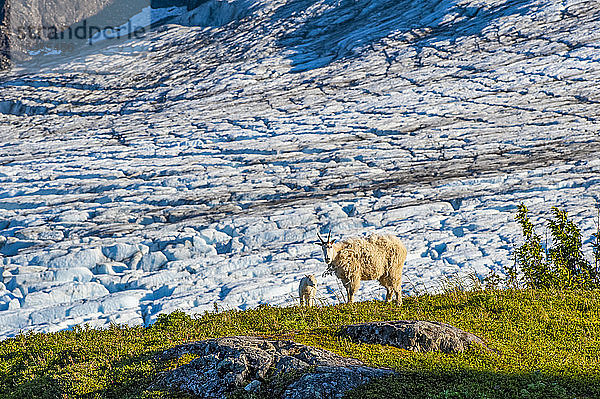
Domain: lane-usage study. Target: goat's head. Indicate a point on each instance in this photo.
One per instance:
(327, 246)
(312, 281)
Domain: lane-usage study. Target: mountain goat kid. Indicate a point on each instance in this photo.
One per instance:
(308, 290)
(378, 257)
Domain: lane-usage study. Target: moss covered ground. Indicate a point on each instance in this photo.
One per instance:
(546, 345)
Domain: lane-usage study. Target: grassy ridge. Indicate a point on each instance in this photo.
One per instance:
(547, 345)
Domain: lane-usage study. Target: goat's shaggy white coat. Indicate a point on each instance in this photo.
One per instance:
(307, 290)
(379, 257)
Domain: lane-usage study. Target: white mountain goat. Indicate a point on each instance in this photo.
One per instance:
(307, 290)
(379, 257)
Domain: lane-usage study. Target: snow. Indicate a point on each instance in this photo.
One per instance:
(195, 165)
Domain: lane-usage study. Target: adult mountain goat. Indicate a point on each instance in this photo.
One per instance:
(378, 257)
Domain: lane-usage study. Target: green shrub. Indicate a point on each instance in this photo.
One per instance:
(175, 320)
(561, 265)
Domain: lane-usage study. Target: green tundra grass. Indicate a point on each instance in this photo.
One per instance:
(546, 344)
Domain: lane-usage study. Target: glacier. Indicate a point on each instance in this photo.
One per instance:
(191, 168)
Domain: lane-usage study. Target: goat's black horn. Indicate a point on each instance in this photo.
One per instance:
(320, 238)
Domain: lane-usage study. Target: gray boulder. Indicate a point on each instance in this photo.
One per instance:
(414, 335)
(331, 382)
(226, 364)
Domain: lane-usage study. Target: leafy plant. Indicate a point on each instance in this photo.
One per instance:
(596, 243)
(562, 265)
(531, 255)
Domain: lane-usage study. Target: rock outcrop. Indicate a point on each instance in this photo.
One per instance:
(25, 24)
(27, 27)
(225, 364)
(414, 335)
(4, 42)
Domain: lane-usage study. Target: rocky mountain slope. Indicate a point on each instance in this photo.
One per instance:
(193, 166)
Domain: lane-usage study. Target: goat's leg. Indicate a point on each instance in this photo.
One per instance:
(352, 288)
(398, 292)
(389, 294)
